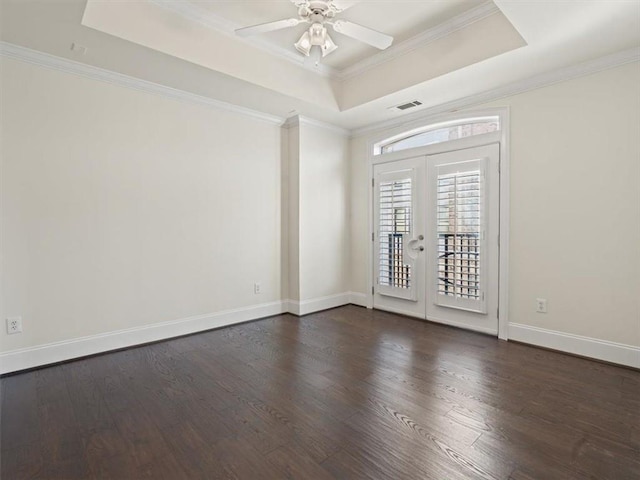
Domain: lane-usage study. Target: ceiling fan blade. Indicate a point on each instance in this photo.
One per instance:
(364, 34)
(339, 4)
(342, 5)
(267, 27)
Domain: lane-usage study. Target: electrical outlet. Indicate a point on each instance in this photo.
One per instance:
(14, 325)
(541, 305)
(257, 288)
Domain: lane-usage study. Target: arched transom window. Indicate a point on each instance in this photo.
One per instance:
(437, 133)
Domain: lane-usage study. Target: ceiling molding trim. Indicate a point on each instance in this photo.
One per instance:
(298, 120)
(539, 81)
(442, 30)
(61, 64)
(221, 25)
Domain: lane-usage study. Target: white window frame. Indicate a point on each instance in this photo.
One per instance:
(501, 137)
(466, 120)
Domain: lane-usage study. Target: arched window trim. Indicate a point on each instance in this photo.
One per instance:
(396, 132)
(469, 118)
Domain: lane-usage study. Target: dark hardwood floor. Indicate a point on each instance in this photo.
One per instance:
(345, 394)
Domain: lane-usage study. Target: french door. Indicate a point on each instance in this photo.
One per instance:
(436, 224)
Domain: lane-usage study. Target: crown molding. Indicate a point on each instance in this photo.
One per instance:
(539, 81)
(192, 11)
(442, 30)
(298, 120)
(61, 64)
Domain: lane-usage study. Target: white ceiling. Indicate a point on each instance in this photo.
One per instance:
(557, 35)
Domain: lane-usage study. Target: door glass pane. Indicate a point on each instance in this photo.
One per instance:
(459, 234)
(441, 133)
(394, 224)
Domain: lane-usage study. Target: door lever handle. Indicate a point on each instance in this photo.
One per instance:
(420, 248)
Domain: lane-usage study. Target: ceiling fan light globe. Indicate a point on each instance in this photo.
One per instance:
(328, 46)
(304, 44)
(317, 34)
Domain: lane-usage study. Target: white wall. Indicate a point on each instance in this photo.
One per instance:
(293, 211)
(318, 220)
(323, 212)
(359, 213)
(575, 206)
(123, 209)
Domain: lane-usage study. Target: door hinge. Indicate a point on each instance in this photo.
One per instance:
(498, 312)
(372, 290)
(373, 182)
(498, 239)
(373, 236)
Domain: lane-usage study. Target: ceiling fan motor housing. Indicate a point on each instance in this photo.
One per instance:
(317, 11)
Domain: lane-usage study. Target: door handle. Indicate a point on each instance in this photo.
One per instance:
(412, 246)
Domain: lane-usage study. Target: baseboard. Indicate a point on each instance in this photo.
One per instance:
(313, 305)
(31, 357)
(359, 299)
(619, 353)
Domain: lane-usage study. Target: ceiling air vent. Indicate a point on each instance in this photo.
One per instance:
(406, 106)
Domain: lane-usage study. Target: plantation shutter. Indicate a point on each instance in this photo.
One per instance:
(461, 225)
(395, 211)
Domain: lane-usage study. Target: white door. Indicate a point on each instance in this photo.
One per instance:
(398, 258)
(436, 247)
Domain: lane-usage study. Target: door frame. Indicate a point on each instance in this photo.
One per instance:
(502, 138)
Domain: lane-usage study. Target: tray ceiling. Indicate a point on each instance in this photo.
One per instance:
(191, 32)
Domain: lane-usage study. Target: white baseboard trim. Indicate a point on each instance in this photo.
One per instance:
(313, 305)
(31, 357)
(359, 299)
(619, 353)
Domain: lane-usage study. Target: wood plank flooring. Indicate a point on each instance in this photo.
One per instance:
(348, 393)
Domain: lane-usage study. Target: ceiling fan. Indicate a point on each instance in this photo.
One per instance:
(320, 13)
